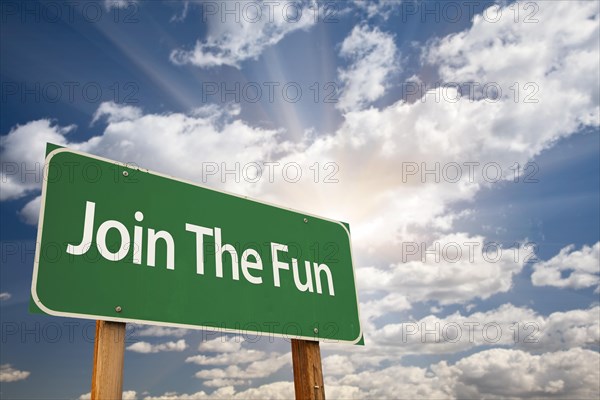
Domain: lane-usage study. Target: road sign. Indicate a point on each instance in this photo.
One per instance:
(124, 244)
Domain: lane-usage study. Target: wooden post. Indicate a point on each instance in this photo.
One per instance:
(308, 373)
(109, 349)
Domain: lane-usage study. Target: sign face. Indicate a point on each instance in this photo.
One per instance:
(125, 244)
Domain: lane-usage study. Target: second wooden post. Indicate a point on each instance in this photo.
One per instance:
(308, 372)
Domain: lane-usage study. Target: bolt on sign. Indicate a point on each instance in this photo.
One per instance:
(126, 244)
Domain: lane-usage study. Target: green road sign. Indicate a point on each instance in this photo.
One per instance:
(125, 244)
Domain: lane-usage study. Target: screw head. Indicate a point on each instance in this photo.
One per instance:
(118, 309)
(305, 220)
(316, 330)
(125, 173)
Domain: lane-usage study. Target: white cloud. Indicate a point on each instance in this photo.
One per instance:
(9, 374)
(582, 265)
(241, 356)
(145, 347)
(454, 269)
(373, 309)
(31, 212)
(22, 154)
(435, 310)
(257, 369)
(563, 330)
(507, 325)
(4, 296)
(175, 147)
(506, 52)
(222, 344)
(260, 25)
(374, 8)
(492, 374)
(387, 383)
(116, 113)
(336, 365)
(225, 392)
(224, 382)
(181, 16)
(270, 391)
(231, 354)
(499, 373)
(158, 331)
(127, 395)
(110, 4)
(373, 59)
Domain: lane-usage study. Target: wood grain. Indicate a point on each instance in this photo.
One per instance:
(109, 350)
(308, 372)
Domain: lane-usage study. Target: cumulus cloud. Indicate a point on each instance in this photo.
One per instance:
(270, 391)
(116, 113)
(31, 212)
(259, 25)
(24, 146)
(256, 369)
(391, 302)
(412, 382)
(336, 365)
(506, 52)
(223, 344)
(373, 59)
(224, 382)
(127, 395)
(398, 334)
(9, 374)
(259, 365)
(377, 8)
(110, 4)
(505, 326)
(494, 374)
(582, 266)
(22, 154)
(158, 331)
(562, 330)
(242, 356)
(145, 347)
(500, 373)
(454, 269)
(491, 374)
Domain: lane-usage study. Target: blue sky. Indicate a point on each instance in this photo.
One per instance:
(173, 86)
